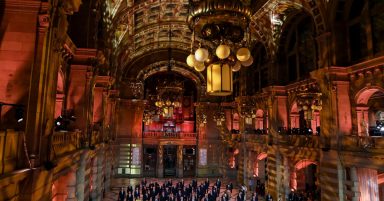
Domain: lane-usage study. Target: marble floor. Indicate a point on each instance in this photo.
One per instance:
(124, 182)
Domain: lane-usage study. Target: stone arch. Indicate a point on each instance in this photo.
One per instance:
(362, 97)
(299, 174)
(368, 116)
(294, 116)
(259, 166)
(261, 120)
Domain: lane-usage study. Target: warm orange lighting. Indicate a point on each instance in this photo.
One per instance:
(219, 79)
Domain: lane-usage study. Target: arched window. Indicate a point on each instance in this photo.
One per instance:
(297, 53)
(257, 74)
(359, 26)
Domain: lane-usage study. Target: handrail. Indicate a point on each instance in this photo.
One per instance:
(10, 150)
(65, 142)
(162, 134)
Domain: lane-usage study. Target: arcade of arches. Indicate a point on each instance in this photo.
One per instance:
(98, 91)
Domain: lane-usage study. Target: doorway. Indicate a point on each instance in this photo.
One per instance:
(150, 161)
(189, 161)
(170, 160)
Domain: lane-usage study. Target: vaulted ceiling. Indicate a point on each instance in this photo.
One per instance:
(140, 31)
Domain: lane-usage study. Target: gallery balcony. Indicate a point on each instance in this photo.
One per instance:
(65, 142)
(258, 137)
(169, 135)
(11, 151)
(370, 144)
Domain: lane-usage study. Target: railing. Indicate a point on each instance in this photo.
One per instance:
(65, 142)
(312, 141)
(367, 143)
(177, 135)
(262, 139)
(11, 150)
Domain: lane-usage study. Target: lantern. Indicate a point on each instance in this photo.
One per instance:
(219, 79)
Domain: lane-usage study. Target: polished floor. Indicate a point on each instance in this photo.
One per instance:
(124, 182)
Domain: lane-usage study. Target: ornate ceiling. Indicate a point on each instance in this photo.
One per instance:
(140, 30)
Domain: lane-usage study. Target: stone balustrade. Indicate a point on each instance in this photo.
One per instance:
(11, 150)
(312, 141)
(261, 139)
(65, 142)
(165, 135)
(363, 143)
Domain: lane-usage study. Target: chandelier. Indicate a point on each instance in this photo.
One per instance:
(219, 117)
(223, 23)
(248, 116)
(169, 96)
(147, 119)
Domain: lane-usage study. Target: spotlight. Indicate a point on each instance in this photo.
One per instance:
(19, 114)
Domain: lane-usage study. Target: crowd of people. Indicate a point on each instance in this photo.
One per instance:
(310, 195)
(179, 191)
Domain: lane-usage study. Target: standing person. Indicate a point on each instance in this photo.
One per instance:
(239, 196)
(121, 194)
(218, 183)
(268, 197)
(251, 184)
(254, 197)
(137, 194)
(129, 196)
(230, 187)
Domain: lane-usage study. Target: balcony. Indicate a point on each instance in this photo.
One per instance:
(311, 141)
(65, 142)
(370, 144)
(168, 135)
(257, 138)
(11, 151)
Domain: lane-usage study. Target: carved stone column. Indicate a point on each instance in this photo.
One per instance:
(180, 161)
(160, 164)
(286, 176)
(80, 178)
(71, 186)
(355, 184)
(94, 194)
(100, 174)
(108, 171)
(323, 42)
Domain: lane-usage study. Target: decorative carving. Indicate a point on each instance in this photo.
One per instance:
(44, 20)
(137, 89)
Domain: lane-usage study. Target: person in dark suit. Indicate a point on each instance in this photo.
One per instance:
(136, 194)
(206, 198)
(121, 194)
(146, 196)
(239, 197)
(254, 197)
(268, 197)
(129, 196)
(218, 185)
(230, 187)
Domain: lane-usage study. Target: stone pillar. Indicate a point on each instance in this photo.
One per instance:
(80, 178)
(368, 184)
(108, 172)
(95, 194)
(279, 177)
(287, 188)
(323, 41)
(354, 184)
(100, 175)
(71, 186)
(180, 161)
(362, 121)
(160, 165)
